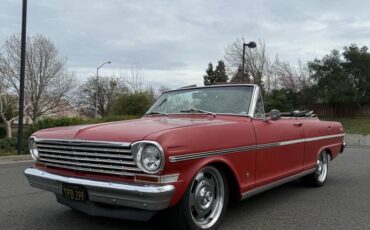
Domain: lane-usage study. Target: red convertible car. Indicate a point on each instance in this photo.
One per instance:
(190, 153)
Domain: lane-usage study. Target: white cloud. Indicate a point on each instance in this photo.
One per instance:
(174, 40)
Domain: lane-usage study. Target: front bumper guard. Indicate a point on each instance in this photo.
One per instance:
(342, 147)
(145, 197)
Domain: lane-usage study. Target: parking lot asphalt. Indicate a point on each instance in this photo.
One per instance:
(343, 203)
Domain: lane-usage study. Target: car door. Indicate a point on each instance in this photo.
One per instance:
(280, 146)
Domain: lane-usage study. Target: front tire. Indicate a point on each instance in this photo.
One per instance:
(318, 178)
(204, 203)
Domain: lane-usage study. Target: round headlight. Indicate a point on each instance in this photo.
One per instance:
(33, 149)
(149, 157)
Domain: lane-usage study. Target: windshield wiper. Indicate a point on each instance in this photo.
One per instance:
(164, 101)
(155, 113)
(198, 111)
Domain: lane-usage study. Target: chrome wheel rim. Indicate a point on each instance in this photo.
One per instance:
(207, 197)
(322, 167)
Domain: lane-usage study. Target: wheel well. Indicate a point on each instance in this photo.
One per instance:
(234, 191)
(328, 151)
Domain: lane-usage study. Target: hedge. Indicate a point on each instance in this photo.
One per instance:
(9, 144)
(2, 132)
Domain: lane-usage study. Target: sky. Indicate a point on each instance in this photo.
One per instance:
(174, 40)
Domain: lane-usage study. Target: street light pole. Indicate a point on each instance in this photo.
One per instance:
(97, 87)
(250, 45)
(21, 77)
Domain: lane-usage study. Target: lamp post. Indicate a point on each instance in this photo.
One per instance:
(21, 77)
(97, 86)
(250, 45)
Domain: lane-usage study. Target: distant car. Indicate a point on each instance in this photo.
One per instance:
(193, 150)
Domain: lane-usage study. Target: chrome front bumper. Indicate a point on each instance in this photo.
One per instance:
(144, 197)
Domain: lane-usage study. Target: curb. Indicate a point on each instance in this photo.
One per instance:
(358, 140)
(358, 146)
(17, 158)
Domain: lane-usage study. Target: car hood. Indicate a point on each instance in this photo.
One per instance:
(123, 131)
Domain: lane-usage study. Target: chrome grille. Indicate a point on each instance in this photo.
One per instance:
(99, 157)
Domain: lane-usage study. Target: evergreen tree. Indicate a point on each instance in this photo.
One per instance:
(238, 77)
(216, 75)
(209, 76)
(220, 72)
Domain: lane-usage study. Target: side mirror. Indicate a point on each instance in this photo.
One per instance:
(274, 114)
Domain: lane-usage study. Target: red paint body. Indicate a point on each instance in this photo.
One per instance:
(191, 133)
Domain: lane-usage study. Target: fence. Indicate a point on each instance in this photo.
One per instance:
(327, 110)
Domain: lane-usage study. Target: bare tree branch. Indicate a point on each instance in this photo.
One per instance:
(256, 61)
(104, 91)
(47, 79)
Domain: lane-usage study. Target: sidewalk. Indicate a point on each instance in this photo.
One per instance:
(358, 140)
(16, 158)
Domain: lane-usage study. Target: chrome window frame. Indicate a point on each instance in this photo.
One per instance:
(256, 95)
(252, 103)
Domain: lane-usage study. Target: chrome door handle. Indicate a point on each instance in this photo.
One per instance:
(299, 124)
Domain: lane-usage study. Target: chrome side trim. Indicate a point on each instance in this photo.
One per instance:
(258, 190)
(148, 197)
(248, 148)
(268, 145)
(211, 153)
(324, 137)
(293, 142)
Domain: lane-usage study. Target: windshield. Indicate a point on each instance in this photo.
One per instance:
(226, 100)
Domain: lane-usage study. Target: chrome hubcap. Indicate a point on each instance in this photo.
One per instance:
(204, 195)
(322, 167)
(207, 197)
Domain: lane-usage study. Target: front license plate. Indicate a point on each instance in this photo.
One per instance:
(74, 192)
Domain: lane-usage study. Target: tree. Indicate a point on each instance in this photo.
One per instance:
(100, 93)
(286, 75)
(7, 113)
(133, 104)
(237, 76)
(215, 76)
(357, 66)
(6, 109)
(47, 81)
(334, 84)
(163, 89)
(209, 77)
(220, 72)
(256, 64)
(279, 99)
(134, 78)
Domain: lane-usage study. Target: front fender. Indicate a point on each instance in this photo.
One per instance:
(189, 169)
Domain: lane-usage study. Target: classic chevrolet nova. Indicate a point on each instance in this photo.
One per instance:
(190, 153)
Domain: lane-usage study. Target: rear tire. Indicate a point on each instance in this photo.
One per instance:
(318, 178)
(204, 203)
